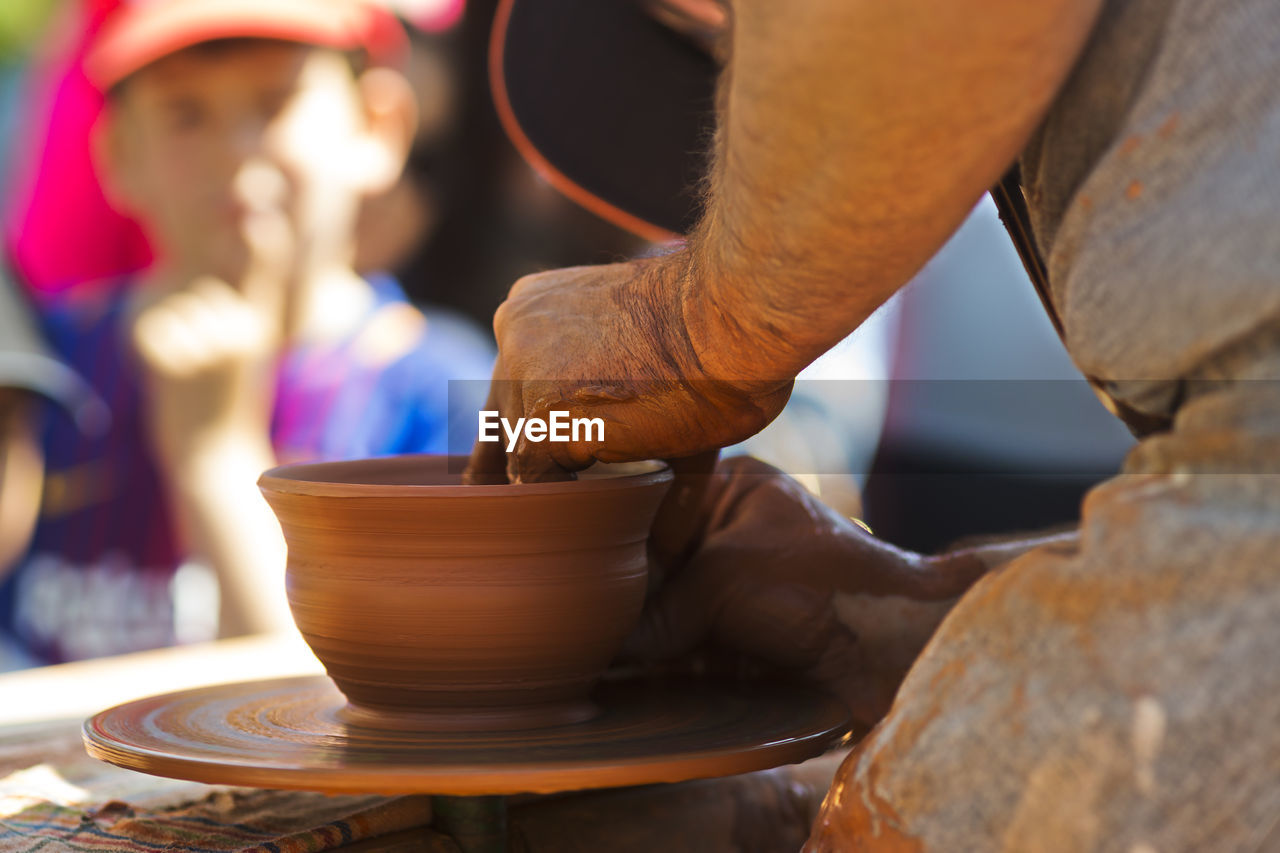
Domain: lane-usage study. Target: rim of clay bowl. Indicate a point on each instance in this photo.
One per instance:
(318, 479)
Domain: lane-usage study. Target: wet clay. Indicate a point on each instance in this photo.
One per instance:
(288, 733)
(436, 606)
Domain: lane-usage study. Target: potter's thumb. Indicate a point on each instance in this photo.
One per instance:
(531, 463)
(682, 514)
(673, 624)
(487, 465)
(488, 462)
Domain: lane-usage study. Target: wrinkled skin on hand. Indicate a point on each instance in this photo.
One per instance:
(769, 566)
(608, 342)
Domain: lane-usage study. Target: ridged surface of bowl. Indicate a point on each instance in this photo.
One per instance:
(435, 605)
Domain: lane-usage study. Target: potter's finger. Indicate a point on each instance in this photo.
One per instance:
(488, 463)
(531, 463)
(487, 466)
(543, 459)
(677, 527)
(908, 575)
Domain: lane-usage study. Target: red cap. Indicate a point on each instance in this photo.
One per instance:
(143, 31)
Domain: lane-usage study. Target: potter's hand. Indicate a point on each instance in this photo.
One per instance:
(609, 342)
(780, 579)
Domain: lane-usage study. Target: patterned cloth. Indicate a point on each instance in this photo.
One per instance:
(70, 802)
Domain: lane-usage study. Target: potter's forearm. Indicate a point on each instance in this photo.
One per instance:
(854, 138)
(229, 526)
(893, 631)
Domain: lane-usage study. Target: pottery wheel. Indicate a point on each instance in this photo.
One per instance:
(287, 733)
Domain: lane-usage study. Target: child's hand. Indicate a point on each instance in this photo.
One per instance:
(207, 355)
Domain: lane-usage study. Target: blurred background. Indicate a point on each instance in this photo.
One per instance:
(22, 24)
(954, 412)
(467, 220)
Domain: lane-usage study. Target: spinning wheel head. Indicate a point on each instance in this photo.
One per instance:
(289, 733)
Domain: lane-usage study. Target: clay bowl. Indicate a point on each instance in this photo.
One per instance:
(439, 606)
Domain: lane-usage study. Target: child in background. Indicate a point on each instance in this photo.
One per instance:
(243, 135)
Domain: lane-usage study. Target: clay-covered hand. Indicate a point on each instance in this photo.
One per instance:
(610, 342)
(779, 581)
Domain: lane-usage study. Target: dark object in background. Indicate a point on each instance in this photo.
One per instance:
(495, 219)
(927, 501)
(616, 109)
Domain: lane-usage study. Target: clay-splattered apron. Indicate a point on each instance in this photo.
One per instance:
(1123, 693)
